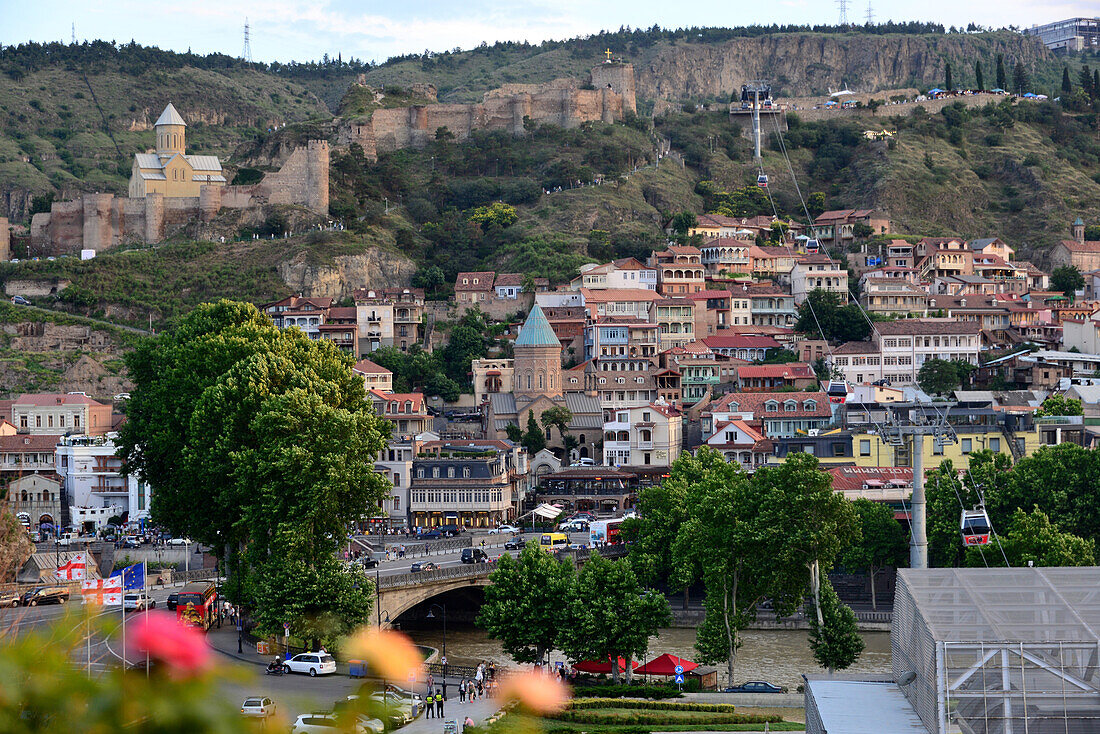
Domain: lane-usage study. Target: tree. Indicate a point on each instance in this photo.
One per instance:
(1067, 279)
(1060, 480)
(525, 603)
(534, 440)
(610, 615)
(979, 81)
(498, 213)
(835, 640)
(514, 433)
(431, 279)
(684, 222)
(1019, 78)
(883, 545)
(1067, 85)
(816, 204)
(1059, 405)
(1001, 79)
(862, 231)
(557, 417)
(943, 491)
(1085, 80)
(269, 459)
(15, 545)
(1033, 538)
(938, 377)
(949, 83)
(822, 313)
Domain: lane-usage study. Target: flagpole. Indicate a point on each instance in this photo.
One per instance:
(145, 595)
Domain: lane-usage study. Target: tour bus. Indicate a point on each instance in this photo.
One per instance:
(605, 532)
(551, 542)
(197, 605)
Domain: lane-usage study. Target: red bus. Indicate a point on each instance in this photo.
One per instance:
(197, 605)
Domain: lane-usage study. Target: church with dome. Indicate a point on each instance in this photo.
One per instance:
(537, 385)
(168, 170)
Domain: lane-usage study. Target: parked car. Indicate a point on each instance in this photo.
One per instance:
(178, 541)
(45, 595)
(756, 686)
(173, 601)
(9, 598)
(130, 542)
(20, 301)
(314, 663)
(122, 396)
(584, 462)
(449, 531)
(574, 526)
(398, 706)
(348, 707)
(259, 707)
(322, 723)
(514, 544)
(504, 529)
(474, 555)
(423, 566)
(431, 534)
(137, 601)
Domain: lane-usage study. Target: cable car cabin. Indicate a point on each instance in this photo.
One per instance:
(812, 247)
(837, 392)
(975, 528)
(762, 181)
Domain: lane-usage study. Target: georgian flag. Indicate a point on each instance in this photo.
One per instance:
(73, 569)
(107, 592)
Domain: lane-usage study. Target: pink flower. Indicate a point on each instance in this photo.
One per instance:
(183, 650)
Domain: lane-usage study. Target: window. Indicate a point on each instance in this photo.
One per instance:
(865, 447)
(967, 445)
(790, 406)
(419, 473)
(995, 445)
(435, 472)
(809, 405)
(450, 472)
(838, 449)
(771, 406)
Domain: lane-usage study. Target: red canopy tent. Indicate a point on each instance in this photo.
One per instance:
(665, 665)
(591, 666)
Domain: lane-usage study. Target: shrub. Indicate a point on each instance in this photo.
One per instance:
(619, 703)
(609, 690)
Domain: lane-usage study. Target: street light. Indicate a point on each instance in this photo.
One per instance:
(442, 608)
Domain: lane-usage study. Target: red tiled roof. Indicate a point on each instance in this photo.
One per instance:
(342, 312)
(630, 263)
(852, 478)
(740, 341)
(856, 348)
(607, 295)
(841, 214)
(42, 400)
(366, 367)
(704, 295)
(792, 370)
(930, 327)
(21, 443)
(484, 281)
(683, 250)
(512, 279)
(400, 397)
(1092, 246)
(754, 402)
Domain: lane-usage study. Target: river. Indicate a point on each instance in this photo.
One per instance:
(777, 656)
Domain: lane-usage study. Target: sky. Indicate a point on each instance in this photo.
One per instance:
(302, 30)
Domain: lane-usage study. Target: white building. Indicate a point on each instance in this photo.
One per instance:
(91, 475)
(898, 349)
(813, 272)
(625, 273)
(649, 435)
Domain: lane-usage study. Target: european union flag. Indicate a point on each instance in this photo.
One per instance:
(133, 577)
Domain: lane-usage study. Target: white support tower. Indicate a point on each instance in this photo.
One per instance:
(842, 5)
(756, 88)
(246, 52)
(907, 431)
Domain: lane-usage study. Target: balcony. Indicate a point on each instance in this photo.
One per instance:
(644, 445)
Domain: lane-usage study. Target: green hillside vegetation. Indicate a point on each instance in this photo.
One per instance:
(360, 100)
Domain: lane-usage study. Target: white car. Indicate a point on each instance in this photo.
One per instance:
(314, 663)
(178, 541)
(137, 601)
(259, 707)
(503, 529)
(408, 708)
(323, 723)
(584, 462)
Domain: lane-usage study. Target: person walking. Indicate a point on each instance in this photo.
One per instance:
(462, 691)
(471, 691)
(429, 705)
(438, 703)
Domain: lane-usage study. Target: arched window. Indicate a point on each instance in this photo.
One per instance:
(450, 472)
(24, 495)
(582, 438)
(419, 473)
(435, 472)
(466, 472)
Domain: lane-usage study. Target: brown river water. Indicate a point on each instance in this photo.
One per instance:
(777, 656)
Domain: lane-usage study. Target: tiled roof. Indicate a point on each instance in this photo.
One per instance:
(856, 348)
(484, 281)
(536, 331)
(21, 443)
(852, 478)
(931, 327)
(717, 220)
(630, 263)
(607, 295)
(508, 279)
(704, 295)
(837, 215)
(42, 400)
(741, 425)
(342, 312)
(683, 250)
(754, 402)
(366, 367)
(740, 341)
(1092, 246)
(416, 398)
(791, 370)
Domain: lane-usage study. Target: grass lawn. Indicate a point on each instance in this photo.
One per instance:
(518, 723)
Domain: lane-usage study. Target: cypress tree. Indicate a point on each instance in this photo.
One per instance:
(1067, 86)
(947, 77)
(1085, 78)
(1019, 78)
(1001, 81)
(979, 82)
(1096, 83)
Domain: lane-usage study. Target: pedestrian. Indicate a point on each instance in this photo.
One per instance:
(471, 692)
(467, 722)
(462, 691)
(429, 705)
(439, 703)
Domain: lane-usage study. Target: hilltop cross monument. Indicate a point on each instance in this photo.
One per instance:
(608, 52)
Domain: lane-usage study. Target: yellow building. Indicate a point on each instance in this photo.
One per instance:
(868, 449)
(169, 170)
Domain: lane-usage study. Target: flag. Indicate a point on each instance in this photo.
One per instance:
(133, 577)
(107, 592)
(73, 569)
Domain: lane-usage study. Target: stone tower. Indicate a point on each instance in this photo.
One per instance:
(317, 162)
(1079, 230)
(5, 240)
(537, 358)
(171, 133)
(620, 78)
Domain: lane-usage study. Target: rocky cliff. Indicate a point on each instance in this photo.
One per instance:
(375, 268)
(810, 64)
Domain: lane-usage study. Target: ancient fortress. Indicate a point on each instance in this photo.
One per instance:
(163, 198)
(561, 102)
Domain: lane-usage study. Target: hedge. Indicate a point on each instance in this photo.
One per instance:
(623, 691)
(619, 703)
(656, 718)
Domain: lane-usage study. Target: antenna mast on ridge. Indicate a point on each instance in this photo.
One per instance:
(870, 14)
(74, 34)
(843, 6)
(246, 53)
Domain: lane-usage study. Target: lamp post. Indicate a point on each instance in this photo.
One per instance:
(442, 608)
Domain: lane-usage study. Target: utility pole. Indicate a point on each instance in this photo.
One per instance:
(246, 52)
(757, 88)
(909, 433)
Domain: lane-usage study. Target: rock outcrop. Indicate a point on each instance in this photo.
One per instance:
(376, 268)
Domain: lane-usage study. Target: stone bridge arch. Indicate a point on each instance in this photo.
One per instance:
(396, 599)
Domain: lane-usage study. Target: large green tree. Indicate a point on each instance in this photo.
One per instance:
(1033, 538)
(610, 614)
(1059, 405)
(823, 314)
(270, 461)
(835, 640)
(939, 376)
(1061, 481)
(557, 417)
(883, 542)
(1067, 279)
(526, 603)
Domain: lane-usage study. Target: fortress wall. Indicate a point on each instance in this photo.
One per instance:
(210, 201)
(5, 240)
(154, 217)
(97, 221)
(236, 197)
(303, 179)
(620, 78)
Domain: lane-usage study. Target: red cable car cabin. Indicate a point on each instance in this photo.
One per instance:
(975, 528)
(197, 605)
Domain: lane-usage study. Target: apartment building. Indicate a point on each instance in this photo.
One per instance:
(625, 273)
(818, 272)
(675, 318)
(406, 411)
(389, 317)
(620, 337)
(726, 256)
(780, 414)
(898, 349)
(679, 270)
(633, 302)
(893, 297)
(375, 376)
(772, 306)
(93, 483)
(646, 436)
(475, 484)
(306, 314)
(58, 413)
(839, 225)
